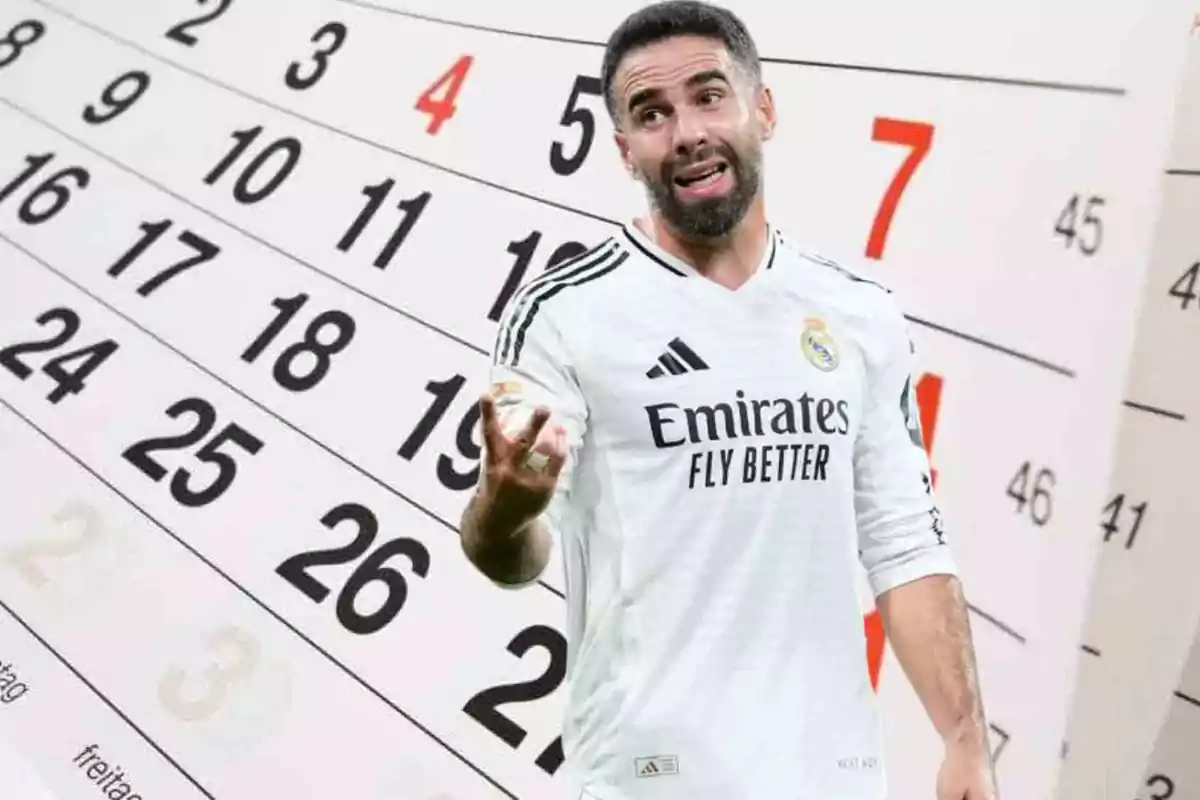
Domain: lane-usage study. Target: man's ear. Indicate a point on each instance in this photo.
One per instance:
(766, 112)
(622, 143)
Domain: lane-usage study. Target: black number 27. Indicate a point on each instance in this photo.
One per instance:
(483, 707)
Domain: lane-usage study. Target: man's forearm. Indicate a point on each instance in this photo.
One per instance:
(926, 622)
(506, 551)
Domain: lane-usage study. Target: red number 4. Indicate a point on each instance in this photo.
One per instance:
(440, 110)
(918, 136)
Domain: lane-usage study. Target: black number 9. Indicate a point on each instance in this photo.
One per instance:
(118, 98)
(320, 57)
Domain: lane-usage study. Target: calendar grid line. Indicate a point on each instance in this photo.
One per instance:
(996, 622)
(994, 346)
(1162, 412)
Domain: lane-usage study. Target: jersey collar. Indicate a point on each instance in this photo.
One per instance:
(677, 266)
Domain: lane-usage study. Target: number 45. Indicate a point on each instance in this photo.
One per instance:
(1086, 231)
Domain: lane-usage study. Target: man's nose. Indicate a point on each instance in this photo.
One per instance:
(690, 131)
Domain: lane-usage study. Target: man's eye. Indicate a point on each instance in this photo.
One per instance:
(710, 96)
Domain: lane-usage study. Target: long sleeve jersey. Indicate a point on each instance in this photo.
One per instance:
(737, 456)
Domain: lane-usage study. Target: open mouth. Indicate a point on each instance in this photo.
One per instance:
(701, 176)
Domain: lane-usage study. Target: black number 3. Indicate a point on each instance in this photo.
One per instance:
(320, 57)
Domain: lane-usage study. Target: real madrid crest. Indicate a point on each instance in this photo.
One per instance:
(818, 345)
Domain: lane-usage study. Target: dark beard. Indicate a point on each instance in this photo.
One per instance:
(712, 217)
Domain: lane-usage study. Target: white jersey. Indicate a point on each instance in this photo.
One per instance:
(735, 455)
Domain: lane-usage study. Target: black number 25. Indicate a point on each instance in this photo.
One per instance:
(210, 453)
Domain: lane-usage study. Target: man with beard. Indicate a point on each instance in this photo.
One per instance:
(716, 428)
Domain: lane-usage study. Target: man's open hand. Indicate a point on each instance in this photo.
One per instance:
(520, 470)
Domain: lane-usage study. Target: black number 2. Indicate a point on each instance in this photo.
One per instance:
(483, 706)
(180, 32)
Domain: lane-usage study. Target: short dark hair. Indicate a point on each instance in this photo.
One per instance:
(677, 18)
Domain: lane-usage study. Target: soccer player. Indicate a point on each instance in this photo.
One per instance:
(715, 427)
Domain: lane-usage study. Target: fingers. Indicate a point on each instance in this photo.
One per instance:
(492, 436)
(559, 458)
(529, 434)
(499, 446)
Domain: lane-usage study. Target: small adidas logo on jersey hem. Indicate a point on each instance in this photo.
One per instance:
(655, 766)
(678, 359)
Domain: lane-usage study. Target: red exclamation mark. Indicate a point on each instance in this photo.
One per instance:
(875, 642)
(929, 399)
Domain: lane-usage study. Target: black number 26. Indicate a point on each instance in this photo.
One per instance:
(372, 569)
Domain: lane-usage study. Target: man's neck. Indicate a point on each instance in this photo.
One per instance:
(728, 261)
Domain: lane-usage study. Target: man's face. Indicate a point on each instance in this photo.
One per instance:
(691, 128)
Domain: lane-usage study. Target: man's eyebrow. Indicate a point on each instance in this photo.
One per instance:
(642, 96)
(704, 76)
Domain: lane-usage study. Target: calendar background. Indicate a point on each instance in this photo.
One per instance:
(261, 234)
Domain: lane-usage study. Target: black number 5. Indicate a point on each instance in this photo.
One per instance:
(572, 114)
(320, 57)
(138, 454)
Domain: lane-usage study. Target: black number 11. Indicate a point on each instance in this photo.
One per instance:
(376, 194)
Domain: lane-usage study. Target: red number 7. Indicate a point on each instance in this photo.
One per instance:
(918, 136)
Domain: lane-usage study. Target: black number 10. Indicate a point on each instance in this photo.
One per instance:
(288, 145)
